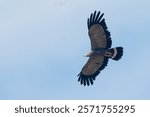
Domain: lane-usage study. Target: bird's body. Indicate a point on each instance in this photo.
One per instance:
(101, 50)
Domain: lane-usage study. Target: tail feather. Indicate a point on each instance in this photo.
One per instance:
(116, 53)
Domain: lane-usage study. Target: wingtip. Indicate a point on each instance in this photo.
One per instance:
(95, 17)
(85, 80)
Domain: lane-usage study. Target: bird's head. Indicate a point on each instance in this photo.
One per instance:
(88, 54)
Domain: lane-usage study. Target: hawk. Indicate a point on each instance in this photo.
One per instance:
(101, 50)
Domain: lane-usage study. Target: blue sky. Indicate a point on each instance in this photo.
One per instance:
(42, 44)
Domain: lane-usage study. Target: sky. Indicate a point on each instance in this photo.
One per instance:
(42, 43)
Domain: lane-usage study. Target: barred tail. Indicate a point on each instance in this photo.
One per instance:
(115, 53)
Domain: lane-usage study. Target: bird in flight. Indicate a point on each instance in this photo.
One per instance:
(101, 50)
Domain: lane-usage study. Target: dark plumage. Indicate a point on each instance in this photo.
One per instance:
(101, 49)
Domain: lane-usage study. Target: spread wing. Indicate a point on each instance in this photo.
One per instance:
(100, 39)
(98, 33)
(91, 69)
